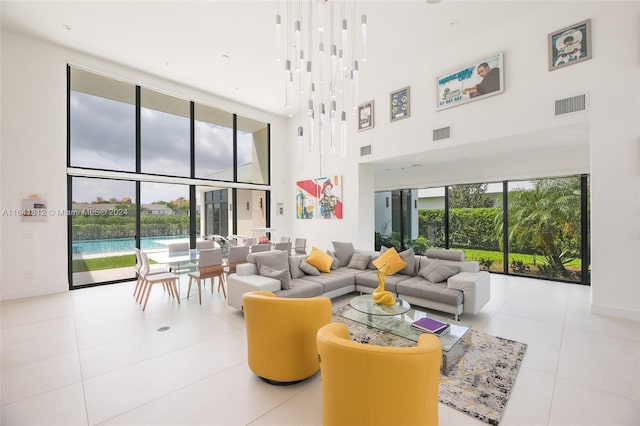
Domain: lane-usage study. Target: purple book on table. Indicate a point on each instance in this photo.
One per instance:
(430, 325)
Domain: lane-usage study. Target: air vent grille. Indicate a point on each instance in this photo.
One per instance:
(443, 133)
(365, 150)
(569, 105)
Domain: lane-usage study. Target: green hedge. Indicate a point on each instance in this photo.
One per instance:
(108, 227)
(469, 228)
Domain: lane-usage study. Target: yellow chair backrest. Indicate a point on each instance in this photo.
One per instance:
(281, 334)
(378, 385)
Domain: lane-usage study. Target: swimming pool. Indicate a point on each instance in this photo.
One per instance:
(119, 244)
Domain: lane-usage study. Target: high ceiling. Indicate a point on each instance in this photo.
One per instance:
(187, 41)
(228, 48)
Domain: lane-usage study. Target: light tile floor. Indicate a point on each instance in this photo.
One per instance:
(92, 357)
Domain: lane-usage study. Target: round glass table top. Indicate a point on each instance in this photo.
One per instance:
(365, 304)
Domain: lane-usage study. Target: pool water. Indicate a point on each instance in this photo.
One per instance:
(119, 244)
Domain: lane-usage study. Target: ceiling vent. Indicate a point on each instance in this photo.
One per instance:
(443, 133)
(569, 105)
(365, 150)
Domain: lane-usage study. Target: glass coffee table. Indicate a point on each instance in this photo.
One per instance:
(397, 319)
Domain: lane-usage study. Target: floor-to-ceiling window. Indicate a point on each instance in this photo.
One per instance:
(545, 228)
(473, 210)
(535, 228)
(137, 160)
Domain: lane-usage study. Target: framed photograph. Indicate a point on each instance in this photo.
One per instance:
(365, 116)
(400, 106)
(570, 45)
(470, 82)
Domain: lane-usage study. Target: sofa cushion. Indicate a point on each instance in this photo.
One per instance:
(301, 288)
(359, 261)
(308, 268)
(294, 266)
(408, 256)
(320, 259)
(418, 287)
(456, 255)
(334, 280)
(277, 260)
(280, 275)
(336, 262)
(343, 251)
(437, 271)
(370, 279)
(391, 258)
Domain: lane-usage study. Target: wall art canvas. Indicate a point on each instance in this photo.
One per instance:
(34, 208)
(400, 104)
(476, 80)
(329, 197)
(570, 45)
(306, 203)
(365, 116)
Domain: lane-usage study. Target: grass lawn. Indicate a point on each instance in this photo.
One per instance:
(527, 259)
(84, 265)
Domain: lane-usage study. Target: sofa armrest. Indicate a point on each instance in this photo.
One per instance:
(475, 287)
(237, 285)
(245, 269)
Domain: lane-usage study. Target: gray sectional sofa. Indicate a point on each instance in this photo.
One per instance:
(441, 279)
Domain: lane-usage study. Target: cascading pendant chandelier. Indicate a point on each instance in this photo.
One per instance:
(321, 44)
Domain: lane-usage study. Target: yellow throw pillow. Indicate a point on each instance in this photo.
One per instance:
(393, 259)
(321, 260)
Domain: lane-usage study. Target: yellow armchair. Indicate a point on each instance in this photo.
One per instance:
(281, 335)
(378, 385)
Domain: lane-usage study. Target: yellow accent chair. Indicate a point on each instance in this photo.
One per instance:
(281, 335)
(378, 385)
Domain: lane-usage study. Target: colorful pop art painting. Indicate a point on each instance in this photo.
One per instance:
(306, 192)
(319, 198)
(329, 197)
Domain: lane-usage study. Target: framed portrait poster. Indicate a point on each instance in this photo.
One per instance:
(400, 106)
(570, 45)
(365, 116)
(470, 82)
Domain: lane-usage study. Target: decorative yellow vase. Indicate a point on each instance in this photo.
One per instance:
(380, 295)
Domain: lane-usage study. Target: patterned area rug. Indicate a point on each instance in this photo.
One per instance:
(479, 384)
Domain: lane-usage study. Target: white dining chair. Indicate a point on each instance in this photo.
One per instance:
(300, 246)
(237, 256)
(286, 246)
(209, 266)
(257, 248)
(167, 279)
(156, 268)
(204, 244)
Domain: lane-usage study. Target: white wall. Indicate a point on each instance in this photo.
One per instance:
(33, 155)
(523, 116)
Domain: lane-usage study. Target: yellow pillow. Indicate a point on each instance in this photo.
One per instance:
(321, 260)
(393, 259)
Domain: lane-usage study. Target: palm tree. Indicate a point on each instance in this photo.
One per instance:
(545, 220)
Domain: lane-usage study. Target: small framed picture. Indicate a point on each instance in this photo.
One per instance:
(365, 116)
(400, 104)
(570, 45)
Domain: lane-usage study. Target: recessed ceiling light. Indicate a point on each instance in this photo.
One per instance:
(416, 165)
(66, 27)
(224, 56)
(167, 63)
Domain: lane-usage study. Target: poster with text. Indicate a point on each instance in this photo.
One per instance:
(471, 82)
